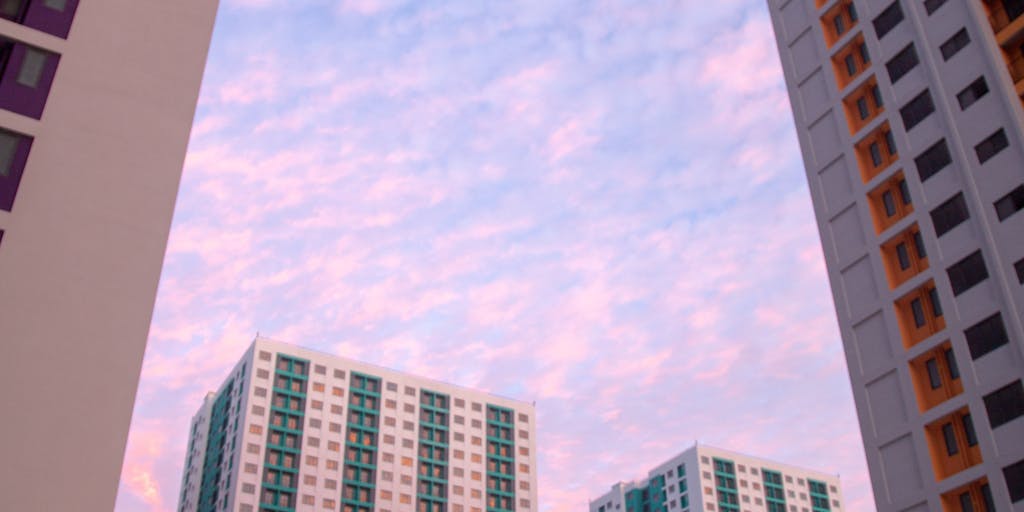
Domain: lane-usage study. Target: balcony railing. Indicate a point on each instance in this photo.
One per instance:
(1003, 12)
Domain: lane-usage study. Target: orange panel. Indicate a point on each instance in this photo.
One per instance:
(904, 256)
(838, 21)
(974, 492)
(949, 444)
(876, 152)
(863, 105)
(919, 315)
(936, 378)
(890, 202)
(850, 61)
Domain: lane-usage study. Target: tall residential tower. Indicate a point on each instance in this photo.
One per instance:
(909, 118)
(705, 478)
(296, 430)
(96, 104)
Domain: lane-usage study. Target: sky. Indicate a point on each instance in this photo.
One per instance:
(596, 205)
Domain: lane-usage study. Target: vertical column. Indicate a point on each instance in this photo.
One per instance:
(432, 482)
(284, 435)
(358, 482)
(501, 494)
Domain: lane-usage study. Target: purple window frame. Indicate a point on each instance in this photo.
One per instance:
(37, 15)
(9, 184)
(20, 98)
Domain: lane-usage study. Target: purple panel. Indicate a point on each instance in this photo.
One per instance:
(9, 184)
(49, 20)
(22, 99)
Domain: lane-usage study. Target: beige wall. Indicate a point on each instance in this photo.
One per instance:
(83, 247)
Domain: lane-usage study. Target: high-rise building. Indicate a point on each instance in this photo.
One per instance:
(705, 478)
(96, 104)
(909, 118)
(292, 430)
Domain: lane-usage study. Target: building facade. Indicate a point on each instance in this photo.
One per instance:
(909, 119)
(96, 104)
(705, 478)
(296, 430)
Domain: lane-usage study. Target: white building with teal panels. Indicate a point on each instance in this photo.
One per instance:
(296, 430)
(705, 478)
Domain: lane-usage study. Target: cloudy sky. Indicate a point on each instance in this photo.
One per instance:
(598, 205)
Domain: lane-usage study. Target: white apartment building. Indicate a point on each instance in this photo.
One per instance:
(910, 122)
(705, 478)
(97, 99)
(293, 429)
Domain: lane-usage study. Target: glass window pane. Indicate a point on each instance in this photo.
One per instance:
(31, 68)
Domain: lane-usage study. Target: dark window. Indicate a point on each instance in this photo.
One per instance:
(904, 192)
(876, 154)
(917, 109)
(852, 12)
(933, 297)
(972, 93)
(918, 311)
(864, 55)
(966, 273)
(954, 44)
(991, 146)
(1010, 203)
(890, 143)
(969, 433)
(1019, 267)
(933, 373)
(954, 370)
(919, 246)
(986, 494)
(966, 505)
(29, 72)
(931, 5)
(50, 16)
(851, 65)
(1014, 476)
(902, 63)
(888, 20)
(986, 336)
(862, 108)
(14, 148)
(890, 205)
(950, 437)
(1005, 404)
(876, 94)
(950, 214)
(933, 160)
(903, 256)
(839, 24)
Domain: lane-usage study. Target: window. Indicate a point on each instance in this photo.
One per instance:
(954, 370)
(949, 214)
(888, 20)
(888, 203)
(1005, 404)
(986, 336)
(902, 63)
(862, 108)
(1014, 476)
(14, 149)
(933, 160)
(972, 93)
(919, 245)
(1019, 267)
(839, 24)
(991, 146)
(917, 109)
(931, 6)
(851, 65)
(934, 379)
(876, 154)
(902, 256)
(954, 44)
(933, 297)
(1010, 204)
(969, 433)
(966, 273)
(949, 436)
(918, 311)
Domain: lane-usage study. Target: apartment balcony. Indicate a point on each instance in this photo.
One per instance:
(1005, 17)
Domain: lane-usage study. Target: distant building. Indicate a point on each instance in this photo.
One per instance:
(705, 478)
(96, 104)
(294, 429)
(910, 120)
